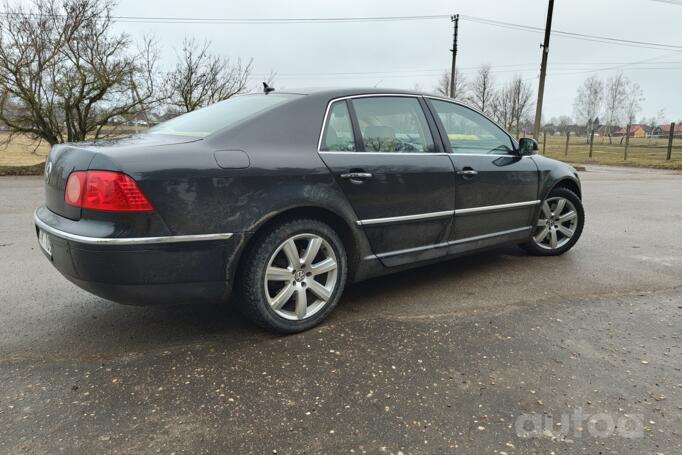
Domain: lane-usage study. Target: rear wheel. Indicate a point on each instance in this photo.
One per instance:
(559, 224)
(293, 276)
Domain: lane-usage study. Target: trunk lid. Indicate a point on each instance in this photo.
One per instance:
(67, 158)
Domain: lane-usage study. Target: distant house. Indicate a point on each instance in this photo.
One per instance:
(635, 131)
(605, 130)
(664, 130)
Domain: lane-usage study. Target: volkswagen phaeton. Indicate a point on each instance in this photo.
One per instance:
(276, 201)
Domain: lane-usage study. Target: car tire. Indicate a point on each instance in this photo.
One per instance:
(551, 228)
(277, 278)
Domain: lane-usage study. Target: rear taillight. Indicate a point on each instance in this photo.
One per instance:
(105, 190)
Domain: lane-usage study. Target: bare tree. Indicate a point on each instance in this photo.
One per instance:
(614, 101)
(503, 106)
(483, 89)
(588, 102)
(512, 104)
(201, 78)
(443, 87)
(523, 101)
(564, 123)
(64, 73)
(633, 101)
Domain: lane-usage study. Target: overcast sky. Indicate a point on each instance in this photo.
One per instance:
(404, 53)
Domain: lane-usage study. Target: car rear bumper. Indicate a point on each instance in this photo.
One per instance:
(141, 270)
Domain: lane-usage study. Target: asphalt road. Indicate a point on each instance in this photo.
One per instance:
(492, 354)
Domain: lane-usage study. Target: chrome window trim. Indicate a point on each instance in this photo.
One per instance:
(127, 240)
(397, 219)
(330, 152)
(489, 155)
(365, 95)
(492, 208)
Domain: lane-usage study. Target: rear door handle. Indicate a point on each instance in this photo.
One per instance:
(357, 175)
(468, 172)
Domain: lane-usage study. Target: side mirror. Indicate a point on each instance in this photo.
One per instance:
(528, 146)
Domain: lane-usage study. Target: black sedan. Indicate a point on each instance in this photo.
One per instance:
(287, 197)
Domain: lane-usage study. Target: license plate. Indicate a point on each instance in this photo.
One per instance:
(44, 242)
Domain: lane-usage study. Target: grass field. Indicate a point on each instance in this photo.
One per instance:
(647, 152)
(19, 152)
(642, 152)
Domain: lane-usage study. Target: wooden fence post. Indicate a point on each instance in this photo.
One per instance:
(544, 142)
(670, 140)
(568, 137)
(627, 142)
(591, 141)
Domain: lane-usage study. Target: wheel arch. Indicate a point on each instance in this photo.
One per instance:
(343, 227)
(568, 183)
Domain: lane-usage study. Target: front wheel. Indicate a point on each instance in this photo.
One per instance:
(559, 224)
(293, 276)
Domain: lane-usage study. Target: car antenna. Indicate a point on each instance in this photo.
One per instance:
(267, 89)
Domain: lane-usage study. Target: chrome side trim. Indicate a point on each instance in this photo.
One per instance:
(492, 208)
(397, 219)
(487, 236)
(454, 242)
(127, 240)
(412, 250)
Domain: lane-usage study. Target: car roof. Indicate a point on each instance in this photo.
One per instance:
(338, 92)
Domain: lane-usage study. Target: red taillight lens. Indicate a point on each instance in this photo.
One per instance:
(105, 190)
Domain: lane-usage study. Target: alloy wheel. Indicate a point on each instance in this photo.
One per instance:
(557, 223)
(301, 276)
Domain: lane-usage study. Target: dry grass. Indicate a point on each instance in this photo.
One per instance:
(20, 151)
(642, 152)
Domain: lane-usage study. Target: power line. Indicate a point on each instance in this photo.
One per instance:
(573, 35)
(672, 2)
(321, 20)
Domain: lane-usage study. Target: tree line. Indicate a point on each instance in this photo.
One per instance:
(608, 104)
(65, 74)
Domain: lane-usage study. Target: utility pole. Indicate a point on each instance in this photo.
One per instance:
(543, 71)
(455, 19)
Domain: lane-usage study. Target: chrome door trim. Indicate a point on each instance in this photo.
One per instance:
(398, 219)
(127, 240)
(494, 208)
(424, 216)
(455, 242)
(487, 236)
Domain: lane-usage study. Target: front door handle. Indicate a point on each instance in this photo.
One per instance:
(468, 172)
(357, 177)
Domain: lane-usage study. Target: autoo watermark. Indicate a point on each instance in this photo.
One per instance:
(576, 424)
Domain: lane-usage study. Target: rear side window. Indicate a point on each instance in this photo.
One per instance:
(470, 132)
(202, 122)
(338, 133)
(393, 124)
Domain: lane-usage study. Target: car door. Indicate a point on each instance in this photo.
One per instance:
(496, 190)
(382, 152)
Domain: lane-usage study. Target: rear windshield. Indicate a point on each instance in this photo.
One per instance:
(202, 122)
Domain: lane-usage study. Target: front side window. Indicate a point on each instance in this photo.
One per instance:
(338, 133)
(393, 124)
(470, 132)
